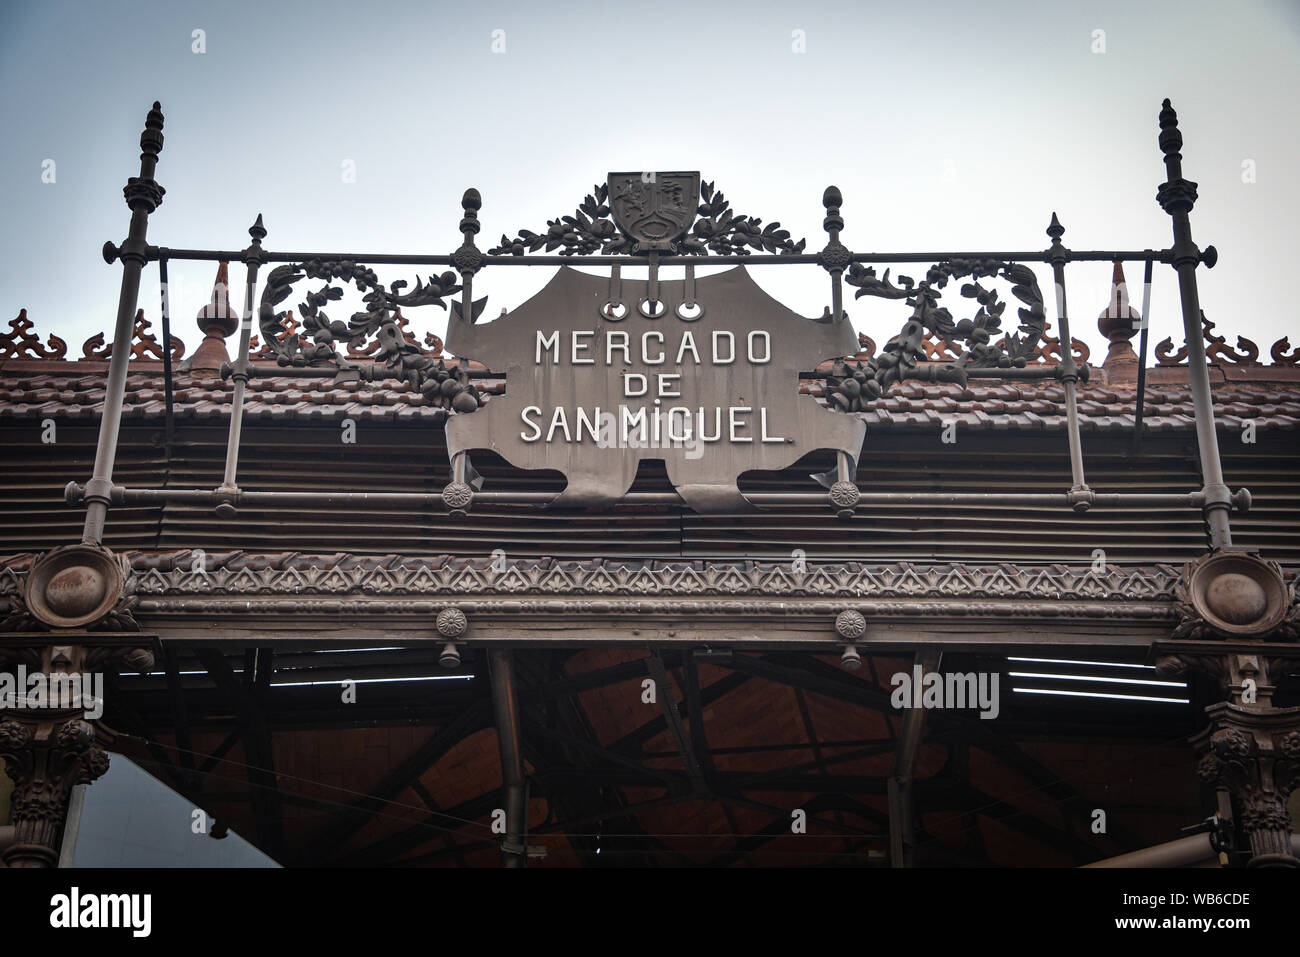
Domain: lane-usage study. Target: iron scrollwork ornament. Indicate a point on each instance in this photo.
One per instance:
(318, 337)
(652, 216)
(852, 386)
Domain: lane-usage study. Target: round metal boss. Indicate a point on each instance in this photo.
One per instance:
(1238, 593)
(74, 585)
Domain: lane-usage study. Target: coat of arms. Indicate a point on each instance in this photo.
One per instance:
(655, 209)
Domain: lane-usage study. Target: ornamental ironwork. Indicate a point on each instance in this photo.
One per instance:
(316, 339)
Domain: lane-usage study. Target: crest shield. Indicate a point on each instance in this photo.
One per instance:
(655, 209)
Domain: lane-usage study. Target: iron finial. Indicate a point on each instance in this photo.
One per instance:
(833, 222)
(1171, 140)
(151, 140)
(1055, 229)
(471, 203)
(257, 230)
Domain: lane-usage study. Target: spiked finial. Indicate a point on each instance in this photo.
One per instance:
(1055, 229)
(216, 320)
(1119, 320)
(257, 230)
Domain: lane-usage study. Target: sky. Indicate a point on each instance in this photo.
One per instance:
(947, 126)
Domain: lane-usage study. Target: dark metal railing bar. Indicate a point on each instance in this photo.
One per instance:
(1036, 255)
(142, 496)
(369, 372)
(170, 427)
(1142, 360)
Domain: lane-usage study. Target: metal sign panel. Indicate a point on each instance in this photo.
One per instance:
(592, 396)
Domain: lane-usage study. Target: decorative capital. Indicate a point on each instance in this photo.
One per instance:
(1178, 195)
(143, 192)
(45, 756)
(1255, 755)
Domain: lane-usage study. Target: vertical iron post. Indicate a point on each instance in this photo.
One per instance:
(1069, 371)
(506, 710)
(170, 430)
(1176, 197)
(835, 256)
(1142, 359)
(252, 259)
(143, 196)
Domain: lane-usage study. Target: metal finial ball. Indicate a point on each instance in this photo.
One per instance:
(471, 199)
(832, 197)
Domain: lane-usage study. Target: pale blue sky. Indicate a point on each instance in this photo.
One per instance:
(946, 125)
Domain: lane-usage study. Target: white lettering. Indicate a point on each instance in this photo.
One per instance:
(736, 422)
(552, 344)
(537, 429)
(645, 348)
(664, 384)
(579, 348)
(615, 340)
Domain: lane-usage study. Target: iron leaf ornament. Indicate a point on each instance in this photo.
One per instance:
(636, 213)
(852, 386)
(317, 339)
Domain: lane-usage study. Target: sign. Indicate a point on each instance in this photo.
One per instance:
(713, 391)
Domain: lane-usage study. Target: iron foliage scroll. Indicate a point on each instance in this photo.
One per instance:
(317, 337)
(714, 228)
(852, 385)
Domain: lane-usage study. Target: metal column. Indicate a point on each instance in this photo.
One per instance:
(506, 709)
(143, 195)
(1177, 196)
